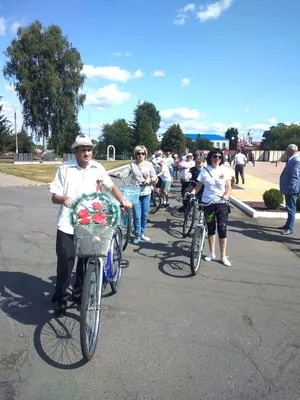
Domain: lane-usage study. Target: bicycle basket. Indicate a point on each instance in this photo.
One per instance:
(92, 240)
(131, 193)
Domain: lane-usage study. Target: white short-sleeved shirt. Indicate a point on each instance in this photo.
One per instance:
(187, 166)
(71, 180)
(214, 181)
(166, 176)
(240, 158)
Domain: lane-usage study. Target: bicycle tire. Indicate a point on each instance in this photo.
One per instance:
(155, 202)
(116, 258)
(197, 249)
(189, 219)
(93, 281)
(126, 226)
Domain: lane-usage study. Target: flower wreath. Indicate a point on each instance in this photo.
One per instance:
(96, 208)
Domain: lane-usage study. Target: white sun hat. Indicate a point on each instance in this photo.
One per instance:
(82, 140)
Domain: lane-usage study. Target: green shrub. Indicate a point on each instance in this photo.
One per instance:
(298, 203)
(273, 198)
(232, 180)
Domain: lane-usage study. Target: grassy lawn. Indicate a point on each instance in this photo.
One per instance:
(45, 173)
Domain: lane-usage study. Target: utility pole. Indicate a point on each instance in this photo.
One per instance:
(15, 118)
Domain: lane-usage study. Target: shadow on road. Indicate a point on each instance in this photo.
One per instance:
(26, 299)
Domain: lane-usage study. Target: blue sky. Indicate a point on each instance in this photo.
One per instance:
(207, 65)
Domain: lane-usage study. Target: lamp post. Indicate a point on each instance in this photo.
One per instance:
(15, 118)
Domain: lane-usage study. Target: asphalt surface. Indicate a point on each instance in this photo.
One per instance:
(228, 333)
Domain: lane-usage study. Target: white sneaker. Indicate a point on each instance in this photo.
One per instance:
(225, 261)
(145, 238)
(210, 256)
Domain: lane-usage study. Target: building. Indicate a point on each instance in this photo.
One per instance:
(219, 141)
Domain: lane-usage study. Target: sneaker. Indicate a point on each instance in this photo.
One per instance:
(166, 205)
(210, 256)
(136, 240)
(225, 261)
(145, 238)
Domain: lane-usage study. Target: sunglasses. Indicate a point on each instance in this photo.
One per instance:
(141, 154)
(216, 156)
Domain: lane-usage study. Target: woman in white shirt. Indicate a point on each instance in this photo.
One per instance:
(217, 188)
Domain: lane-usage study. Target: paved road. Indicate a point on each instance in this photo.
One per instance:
(228, 334)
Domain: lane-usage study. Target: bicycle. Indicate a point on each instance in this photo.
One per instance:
(155, 201)
(95, 243)
(190, 211)
(199, 239)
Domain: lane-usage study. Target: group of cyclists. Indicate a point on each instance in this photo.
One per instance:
(83, 175)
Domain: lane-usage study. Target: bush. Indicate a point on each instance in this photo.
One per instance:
(298, 203)
(273, 198)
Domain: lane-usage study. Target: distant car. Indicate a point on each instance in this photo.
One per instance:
(48, 156)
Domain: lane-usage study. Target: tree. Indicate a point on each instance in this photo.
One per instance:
(232, 134)
(63, 143)
(280, 136)
(5, 131)
(117, 134)
(173, 140)
(203, 144)
(190, 144)
(142, 132)
(46, 70)
(25, 143)
(152, 114)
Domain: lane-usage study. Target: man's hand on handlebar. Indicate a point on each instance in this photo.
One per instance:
(126, 204)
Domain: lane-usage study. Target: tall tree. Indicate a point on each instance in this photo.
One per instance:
(5, 131)
(278, 137)
(117, 134)
(190, 144)
(232, 134)
(173, 140)
(46, 72)
(142, 132)
(203, 144)
(152, 114)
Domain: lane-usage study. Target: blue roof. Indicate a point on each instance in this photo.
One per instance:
(208, 136)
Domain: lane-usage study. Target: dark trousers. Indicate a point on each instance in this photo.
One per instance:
(239, 170)
(290, 202)
(65, 252)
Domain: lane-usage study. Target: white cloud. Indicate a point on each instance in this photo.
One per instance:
(272, 121)
(180, 114)
(185, 82)
(159, 73)
(247, 109)
(138, 73)
(9, 88)
(203, 12)
(3, 24)
(213, 10)
(110, 73)
(14, 27)
(259, 127)
(107, 96)
(183, 13)
(236, 125)
(120, 54)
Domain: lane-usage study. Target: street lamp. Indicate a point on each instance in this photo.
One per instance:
(15, 118)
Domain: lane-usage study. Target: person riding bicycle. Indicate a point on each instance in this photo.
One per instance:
(79, 176)
(190, 181)
(216, 180)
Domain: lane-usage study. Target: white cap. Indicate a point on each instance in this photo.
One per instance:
(189, 155)
(159, 152)
(82, 140)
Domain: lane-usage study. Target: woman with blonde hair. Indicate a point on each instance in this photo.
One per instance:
(142, 173)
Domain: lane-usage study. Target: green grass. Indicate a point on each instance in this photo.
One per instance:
(46, 172)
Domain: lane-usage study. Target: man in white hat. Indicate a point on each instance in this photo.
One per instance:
(79, 176)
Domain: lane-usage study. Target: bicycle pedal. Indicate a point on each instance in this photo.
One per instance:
(124, 264)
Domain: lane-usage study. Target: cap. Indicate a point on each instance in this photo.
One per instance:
(189, 155)
(200, 159)
(82, 140)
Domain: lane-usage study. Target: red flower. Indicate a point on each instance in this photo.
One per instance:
(85, 221)
(99, 218)
(97, 206)
(83, 214)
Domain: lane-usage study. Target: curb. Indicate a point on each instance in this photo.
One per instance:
(259, 214)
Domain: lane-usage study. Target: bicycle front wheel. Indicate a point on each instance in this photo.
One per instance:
(116, 258)
(189, 219)
(91, 307)
(126, 226)
(155, 202)
(197, 249)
